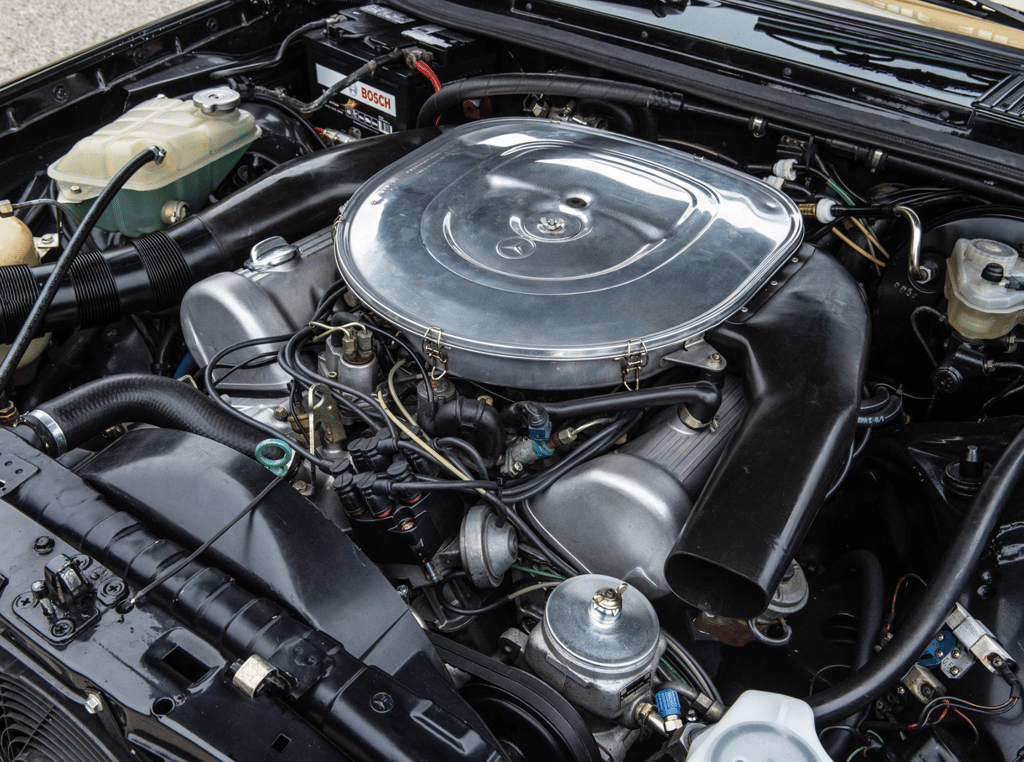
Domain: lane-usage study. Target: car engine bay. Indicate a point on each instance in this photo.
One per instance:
(377, 389)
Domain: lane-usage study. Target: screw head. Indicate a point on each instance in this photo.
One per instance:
(954, 671)
(940, 637)
(940, 653)
(43, 545)
(956, 653)
(24, 601)
(901, 691)
(93, 704)
(61, 628)
(75, 189)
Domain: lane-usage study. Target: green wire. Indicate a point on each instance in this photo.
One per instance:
(843, 196)
(538, 572)
(671, 670)
(855, 752)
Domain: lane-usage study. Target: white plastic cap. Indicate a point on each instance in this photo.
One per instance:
(785, 168)
(758, 726)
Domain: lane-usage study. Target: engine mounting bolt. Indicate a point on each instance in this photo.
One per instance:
(43, 545)
(93, 704)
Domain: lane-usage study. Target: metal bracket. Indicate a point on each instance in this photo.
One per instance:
(74, 593)
(321, 408)
(13, 472)
(698, 354)
(635, 360)
(435, 351)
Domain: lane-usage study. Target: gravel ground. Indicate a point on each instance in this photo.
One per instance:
(39, 32)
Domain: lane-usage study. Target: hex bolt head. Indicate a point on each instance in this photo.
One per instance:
(43, 545)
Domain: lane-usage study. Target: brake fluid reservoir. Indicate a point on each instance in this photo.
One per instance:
(761, 726)
(983, 285)
(204, 139)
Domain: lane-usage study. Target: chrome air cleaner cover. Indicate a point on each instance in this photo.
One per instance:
(545, 254)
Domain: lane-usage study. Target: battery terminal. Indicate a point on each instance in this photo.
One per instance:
(415, 55)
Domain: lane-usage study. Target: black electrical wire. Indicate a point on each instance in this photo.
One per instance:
(270, 431)
(63, 264)
(466, 449)
(367, 70)
(290, 361)
(162, 361)
(205, 546)
(692, 670)
(931, 608)
(256, 361)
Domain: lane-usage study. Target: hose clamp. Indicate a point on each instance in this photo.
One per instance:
(60, 441)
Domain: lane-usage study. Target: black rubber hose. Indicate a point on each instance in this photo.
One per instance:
(473, 420)
(92, 408)
(702, 400)
(648, 121)
(294, 200)
(931, 608)
(622, 118)
(549, 84)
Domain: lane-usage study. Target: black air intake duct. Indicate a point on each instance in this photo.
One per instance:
(803, 354)
(154, 272)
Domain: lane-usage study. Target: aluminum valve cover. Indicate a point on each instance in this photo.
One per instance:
(545, 253)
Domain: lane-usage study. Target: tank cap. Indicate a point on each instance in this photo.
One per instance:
(216, 100)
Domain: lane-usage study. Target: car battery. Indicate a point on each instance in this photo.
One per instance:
(390, 100)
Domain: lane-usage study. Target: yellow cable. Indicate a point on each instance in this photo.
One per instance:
(394, 394)
(857, 248)
(871, 237)
(418, 440)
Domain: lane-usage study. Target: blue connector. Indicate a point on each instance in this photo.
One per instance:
(543, 449)
(668, 704)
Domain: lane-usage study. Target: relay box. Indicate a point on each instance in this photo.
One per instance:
(389, 101)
